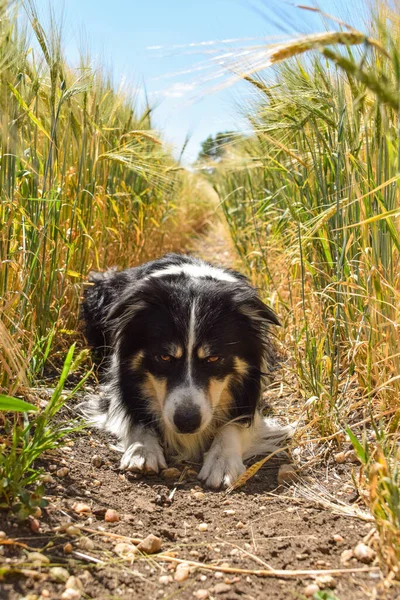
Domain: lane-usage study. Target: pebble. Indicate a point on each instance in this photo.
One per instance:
(240, 525)
(222, 588)
(346, 556)
(340, 457)
(125, 550)
(63, 472)
(97, 460)
(338, 538)
(72, 530)
(182, 572)
(111, 516)
(74, 583)
(201, 594)
(150, 545)
(67, 548)
(59, 574)
(34, 524)
(199, 495)
(364, 553)
(3, 535)
(203, 527)
(229, 512)
(310, 590)
(351, 456)
(171, 473)
(86, 543)
(81, 507)
(286, 474)
(325, 581)
(165, 579)
(38, 559)
(71, 594)
(219, 575)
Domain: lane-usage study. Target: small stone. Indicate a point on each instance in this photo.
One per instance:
(182, 572)
(325, 581)
(59, 574)
(219, 575)
(352, 457)
(47, 478)
(67, 548)
(63, 472)
(337, 538)
(111, 516)
(346, 556)
(240, 525)
(203, 527)
(81, 507)
(310, 590)
(340, 457)
(34, 524)
(53, 468)
(3, 535)
(38, 559)
(199, 495)
(287, 474)
(201, 594)
(191, 474)
(229, 512)
(222, 588)
(86, 543)
(171, 473)
(364, 553)
(125, 550)
(71, 594)
(150, 545)
(73, 531)
(45, 593)
(165, 579)
(74, 583)
(97, 460)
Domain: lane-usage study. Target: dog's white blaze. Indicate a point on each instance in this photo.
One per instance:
(191, 340)
(201, 270)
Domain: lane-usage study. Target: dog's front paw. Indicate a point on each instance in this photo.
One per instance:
(220, 470)
(144, 455)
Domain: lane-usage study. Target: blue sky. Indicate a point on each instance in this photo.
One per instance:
(151, 42)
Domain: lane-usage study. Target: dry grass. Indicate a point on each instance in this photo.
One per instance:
(312, 199)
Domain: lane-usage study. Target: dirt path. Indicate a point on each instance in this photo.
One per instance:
(261, 527)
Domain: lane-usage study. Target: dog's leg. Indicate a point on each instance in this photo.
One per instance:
(223, 463)
(143, 451)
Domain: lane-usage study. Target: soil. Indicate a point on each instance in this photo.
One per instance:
(237, 538)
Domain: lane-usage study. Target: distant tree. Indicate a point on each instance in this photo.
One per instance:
(214, 147)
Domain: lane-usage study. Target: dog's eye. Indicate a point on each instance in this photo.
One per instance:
(165, 357)
(213, 359)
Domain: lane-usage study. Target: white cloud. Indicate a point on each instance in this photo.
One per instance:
(178, 90)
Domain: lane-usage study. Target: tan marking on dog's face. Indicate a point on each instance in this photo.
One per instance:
(218, 392)
(203, 352)
(156, 390)
(136, 360)
(241, 366)
(175, 351)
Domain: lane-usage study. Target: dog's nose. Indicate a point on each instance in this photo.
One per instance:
(187, 418)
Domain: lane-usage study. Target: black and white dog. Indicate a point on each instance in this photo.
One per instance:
(187, 346)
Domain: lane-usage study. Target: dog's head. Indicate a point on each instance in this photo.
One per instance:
(188, 343)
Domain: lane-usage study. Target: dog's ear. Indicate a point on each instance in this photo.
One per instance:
(255, 309)
(130, 304)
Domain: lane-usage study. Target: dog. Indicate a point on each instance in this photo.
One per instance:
(186, 345)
